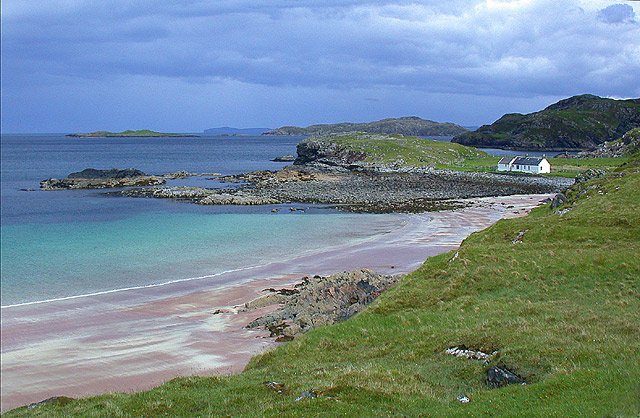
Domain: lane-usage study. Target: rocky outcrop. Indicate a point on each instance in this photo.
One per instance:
(284, 159)
(101, 179)
(324, 150)
(577, 123)
(321, 301)
(410, 125)
(628, 144)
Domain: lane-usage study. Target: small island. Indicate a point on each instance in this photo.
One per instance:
(130, 134)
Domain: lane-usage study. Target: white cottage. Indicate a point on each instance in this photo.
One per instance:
(524, 165)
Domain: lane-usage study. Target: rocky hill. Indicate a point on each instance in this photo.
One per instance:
(379, 152)
(577, 123)
(410, 125)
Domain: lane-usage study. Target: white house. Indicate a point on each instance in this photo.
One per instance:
(524, 165)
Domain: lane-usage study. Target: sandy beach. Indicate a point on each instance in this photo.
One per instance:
(136, 339)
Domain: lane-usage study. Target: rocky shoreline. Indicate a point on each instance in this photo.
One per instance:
(416, 191)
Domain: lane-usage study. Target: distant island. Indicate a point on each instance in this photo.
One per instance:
(128, 134)
(410, 125)
(577, 123)
(226, 130)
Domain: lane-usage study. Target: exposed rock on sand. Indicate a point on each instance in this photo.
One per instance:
(101, 179)
(320, 301)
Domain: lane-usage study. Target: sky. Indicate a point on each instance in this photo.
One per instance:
(190, 65)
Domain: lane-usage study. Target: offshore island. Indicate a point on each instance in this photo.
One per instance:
(130, 134)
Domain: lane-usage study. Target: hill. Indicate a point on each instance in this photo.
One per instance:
(577, 123)
(128, 133)
(365, 150)
(411, 125)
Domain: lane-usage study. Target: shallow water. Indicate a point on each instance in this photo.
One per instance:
(58, 244)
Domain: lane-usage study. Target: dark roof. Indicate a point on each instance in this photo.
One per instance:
(505, 160)
(527, 161)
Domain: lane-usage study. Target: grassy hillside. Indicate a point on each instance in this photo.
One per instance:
(577, 123)
(560, 307)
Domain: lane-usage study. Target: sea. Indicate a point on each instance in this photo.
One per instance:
(74, 243)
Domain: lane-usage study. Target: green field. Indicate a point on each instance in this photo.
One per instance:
(561, 308)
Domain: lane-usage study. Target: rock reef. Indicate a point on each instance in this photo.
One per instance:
(102, 179)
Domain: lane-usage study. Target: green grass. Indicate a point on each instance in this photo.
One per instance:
(407, 150)
(562, 309)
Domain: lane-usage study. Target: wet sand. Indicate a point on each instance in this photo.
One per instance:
(137, 339)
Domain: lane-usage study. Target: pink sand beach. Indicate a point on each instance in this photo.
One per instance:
(137, 339)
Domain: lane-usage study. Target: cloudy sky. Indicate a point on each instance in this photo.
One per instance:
(189, 65)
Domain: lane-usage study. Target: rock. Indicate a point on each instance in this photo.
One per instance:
(588, 175)
(288, 158)
(309, 394)
(276, 387)
(558, 200)
(53, 399)
(178, 175)
(324, 301)
(498, 377)
(462, 398)
(101, 179)
(114, 173)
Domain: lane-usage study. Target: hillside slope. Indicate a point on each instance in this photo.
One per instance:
(410, 125)
(577, 123)
(553, 297)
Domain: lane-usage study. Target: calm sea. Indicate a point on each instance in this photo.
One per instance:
(58, 244)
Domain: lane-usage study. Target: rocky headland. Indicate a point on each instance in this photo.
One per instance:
(365, 172)
(577, 123)
(410, 125)
(102, 179)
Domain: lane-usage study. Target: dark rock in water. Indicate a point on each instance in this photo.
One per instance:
(53, 399)
(558, 200)
(102, 179)
(114, 173)
(309, 394)
(285, 159)
(498, 377)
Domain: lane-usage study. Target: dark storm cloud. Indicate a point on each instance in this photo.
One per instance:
(519, 48)
(617, 13)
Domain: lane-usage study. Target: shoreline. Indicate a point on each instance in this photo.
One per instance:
(132, 340)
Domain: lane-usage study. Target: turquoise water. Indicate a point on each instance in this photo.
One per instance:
(57, 244)
(56, 260)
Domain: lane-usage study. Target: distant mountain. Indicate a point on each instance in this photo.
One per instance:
(225, 130)
(411, 125)
(577, 123)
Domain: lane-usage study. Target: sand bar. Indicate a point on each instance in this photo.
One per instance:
(139, 338)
